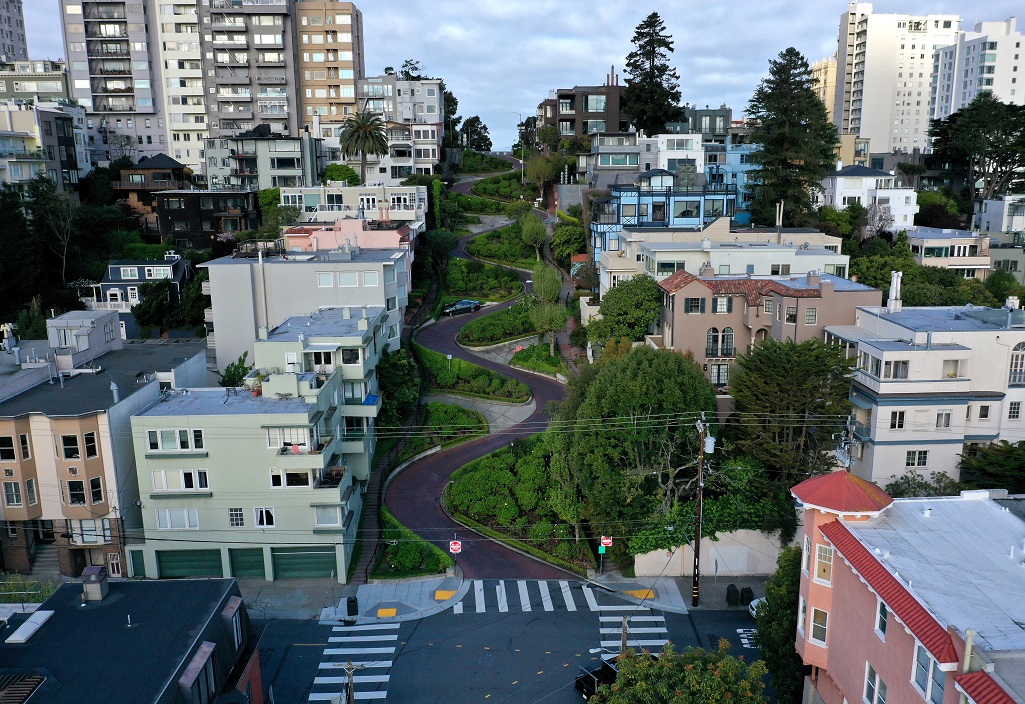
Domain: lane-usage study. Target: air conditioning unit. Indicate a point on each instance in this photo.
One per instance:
(73, 471)
(290, 368)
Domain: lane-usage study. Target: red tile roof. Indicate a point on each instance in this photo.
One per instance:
(300, 230)
(842, 492)
(899, 600)
(674, 282)
(751, 289)
(982, 689)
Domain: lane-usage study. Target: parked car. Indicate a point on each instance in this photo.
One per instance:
(589, 680)
(752, 608)
(464, 306)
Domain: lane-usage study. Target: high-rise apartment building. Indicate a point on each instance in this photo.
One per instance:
(112, 74)
(13, 45)
(181, 71)
(823, 73)
(884, 73)
(986, 59)
(330, 58)
(250, 65)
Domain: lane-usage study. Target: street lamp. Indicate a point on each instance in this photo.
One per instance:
(520, 115)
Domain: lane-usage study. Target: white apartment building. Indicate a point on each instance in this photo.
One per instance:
(966, 252)
(987, 59)
(869, 187)
(333, 201)
(931, 383)
(181, 71)
(884, 74)
(1004, 214)
(13, 45)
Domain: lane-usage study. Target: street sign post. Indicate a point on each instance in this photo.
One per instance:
(606, 541)
(455, 547)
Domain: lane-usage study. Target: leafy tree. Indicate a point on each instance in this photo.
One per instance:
(154, 308)
(533, 232)
(911, 172)
(857, 215)
(364, 133)
(342, 172)
(549, 319)
(53, 217)
(568, 240)
(547, 281)
(400, 386)
(879, 219)
(527, 131)
(22, 264)
(32, 321)
(652, 95)
(235, 372)
(540, 171)
(194, 301)
(438, 244)
(411, 70)
(791, 397)
(692, 676)
(452, 119)
(986, 141)
(548, 137)
(777, 627)
(995, 466)
(912, 483)
(587, 277)
(1001, 284)
(475, 134)
(792, 126)
(628, 310)
(834, 222)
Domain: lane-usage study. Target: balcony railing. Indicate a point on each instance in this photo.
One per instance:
(331, 477)
(149, 185)
(863, 430)
(93, 304)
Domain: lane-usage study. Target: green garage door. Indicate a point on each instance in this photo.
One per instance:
(247, 562)
(189, 563)
(311, 561)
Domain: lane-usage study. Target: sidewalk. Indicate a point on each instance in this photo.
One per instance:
(500, 416)
(401, 599)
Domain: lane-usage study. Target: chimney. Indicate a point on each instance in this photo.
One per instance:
(707, 272)
(346, 313)
(17, 355)
(115, 391)
(814, 279)
(94, 583)
(893, 304)
(706, 244)
(261, 332)
(839, 165)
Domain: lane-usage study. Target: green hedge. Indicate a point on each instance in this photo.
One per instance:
(444, 424)
(504, 245)
(536, 358)
(505, 187)
(479, 280)
(477, 163)
(506, 324)
(16, 588)
(476, 204)
(462, 377)
(410, 556)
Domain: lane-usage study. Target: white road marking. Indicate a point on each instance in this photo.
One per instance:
(358, 651)
(367, 627)
(457, 608)
(524, 597)
(363, 639)
(478, 594)
(546, 597)
(503, 603)
(631, 629)
(567, 596)
(367, 664)
(357, 679)
(619, 619)
(635, 643)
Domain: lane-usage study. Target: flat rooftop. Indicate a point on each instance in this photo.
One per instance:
(921, 232)
(329, 322)
(90, 392)
(798, 282)
(320, 257)
(216, 401)
(735, 246)
(951, 318)
(165, 616)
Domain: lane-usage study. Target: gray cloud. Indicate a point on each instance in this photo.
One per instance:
(499, 56)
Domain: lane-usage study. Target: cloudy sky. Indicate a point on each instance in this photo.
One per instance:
(499, 56)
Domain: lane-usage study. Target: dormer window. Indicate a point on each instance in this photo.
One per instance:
(129, 272)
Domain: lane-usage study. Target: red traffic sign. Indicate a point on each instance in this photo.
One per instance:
(455, 547)
(606, 541)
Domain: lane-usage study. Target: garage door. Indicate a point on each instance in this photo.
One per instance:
(189, 563)
(311, 561)
(247, 562)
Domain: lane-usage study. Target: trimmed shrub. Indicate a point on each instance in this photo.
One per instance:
(472, 278)
(465, 377)
(506, 324)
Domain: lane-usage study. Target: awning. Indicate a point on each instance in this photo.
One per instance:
(322, 347)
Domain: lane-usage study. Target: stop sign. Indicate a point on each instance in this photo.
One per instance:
(454, 547)
(606, 541)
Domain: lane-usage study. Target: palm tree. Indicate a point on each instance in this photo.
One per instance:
(364, 133)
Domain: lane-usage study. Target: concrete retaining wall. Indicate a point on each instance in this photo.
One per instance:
(741, 553)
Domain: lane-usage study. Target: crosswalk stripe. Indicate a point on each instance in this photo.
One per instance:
(568, 596)
(357, 679)
(367, 627)
(358, 651)
(619, 619)
(457, 608)
(366, 665)
(546, 597)
(503, 602)
(524, 597)
(478, 594)
(635, 643)
(362, 639)
(632, 629)
(369, 695)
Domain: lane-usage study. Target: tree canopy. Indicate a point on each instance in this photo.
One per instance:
(363, 134)
(652, 95)
(235, 372)
(791, 398)
(342, 172)
(533, 232)
(777, 627)
(995, 466)
(475, 134)
(628, 310)
(791, 124)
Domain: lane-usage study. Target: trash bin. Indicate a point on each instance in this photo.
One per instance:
(747, 595)
(351, 607)
(732, 595)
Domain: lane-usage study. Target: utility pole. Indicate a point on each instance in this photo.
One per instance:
(520, 115)
(622, 640)
(350, 695)
(707, 444)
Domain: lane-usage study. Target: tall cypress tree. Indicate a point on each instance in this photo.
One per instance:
(652, 96)
(792, 125)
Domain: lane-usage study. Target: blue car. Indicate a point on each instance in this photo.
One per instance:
(464, 306)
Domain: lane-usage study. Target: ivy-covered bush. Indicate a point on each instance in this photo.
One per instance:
(477, 163)
(445, 422)
(506, 324)
(504, 245)
(476, 204)
(505, 187)
(473, 278)
(536, 358)
(464, 377)
(407, 554)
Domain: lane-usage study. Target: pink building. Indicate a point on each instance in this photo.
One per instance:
(895, 593)
(354, 233)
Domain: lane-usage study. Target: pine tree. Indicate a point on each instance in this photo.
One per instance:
(797, 139)
(652, 96)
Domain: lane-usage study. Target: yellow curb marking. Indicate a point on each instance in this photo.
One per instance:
(641, 593)
(444, 594)
(386, 613)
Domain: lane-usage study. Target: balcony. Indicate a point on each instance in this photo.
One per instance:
(21, 155)
(260, 61)
(208, 314)
(93, 304)
(244, 4)
(210, 342)
(113, 107)
(149, 184)
(367, 407)
(863, 430)
(231, 42)
(228, 25)
(92, 12)
(121, 33)
(271, 80)
(205, 287)
(232, 80)
(330, 478)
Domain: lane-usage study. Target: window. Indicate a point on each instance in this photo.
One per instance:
(952, 369)
(895, 370)
(791, 315)
(327, 515)
(279, 478)
(7, 448)
(70, 445)
(811, 316)
(719, 374)
(12, 493)
(882, 615)
(802, 614)
(824, 564)
(90, 445)
(819, 626)
(942, 419)
(768, 306)
(916, 458)
(348, 279)
(197, 440)
(30, 491)
(928, 677)
(1017, 374)
(264, 517)
(370, 278)
(780, 270)
(129, 272)
(1013, 411)
(26, 449)
(325, 279)
(177, 519)
(194, 480)
(727, 349)
(723, 304)
(350, 356)
(712, 342)
(693, 305)
(875, 689)
(806, 557)
(236, 518)
(96, 490)
(896, 420)
(983, 412)
(175, 439)
(76, 492)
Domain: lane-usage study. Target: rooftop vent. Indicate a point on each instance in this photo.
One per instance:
(94, 583)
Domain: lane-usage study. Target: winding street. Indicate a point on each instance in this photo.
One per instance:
(414, 494)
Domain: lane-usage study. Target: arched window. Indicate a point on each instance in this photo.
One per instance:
(1017, 375)
(727, 342)
(712, 343)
